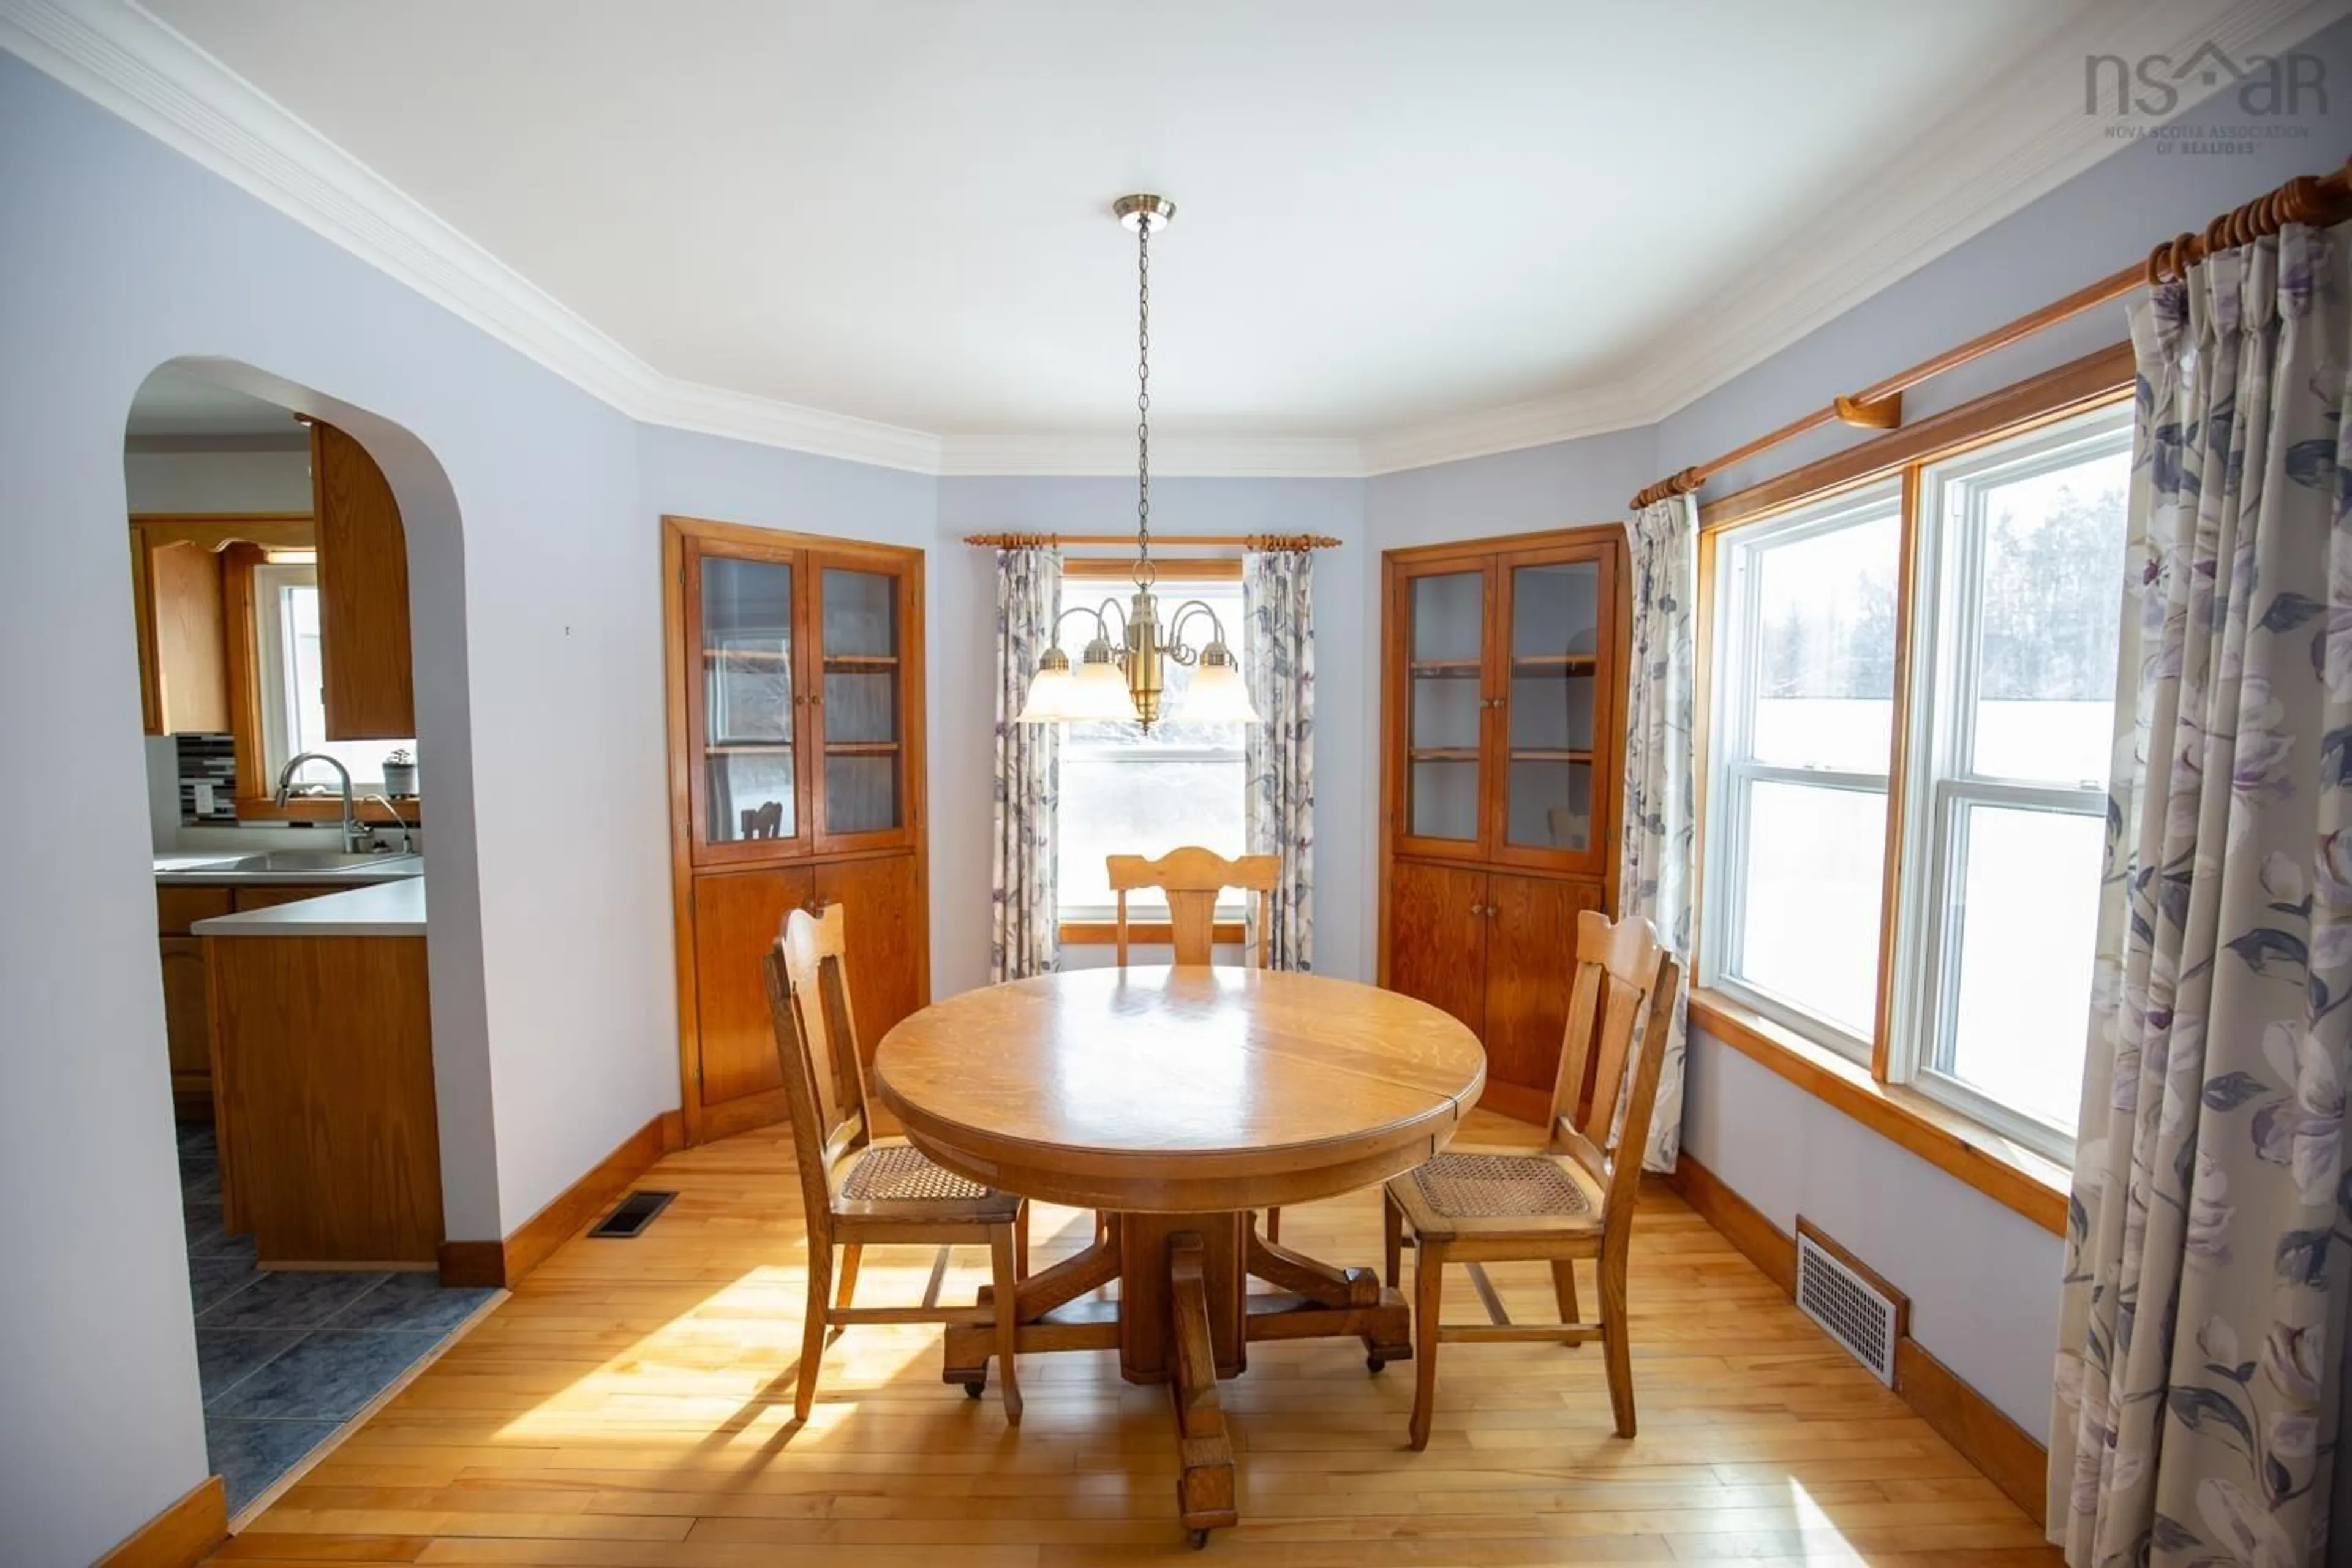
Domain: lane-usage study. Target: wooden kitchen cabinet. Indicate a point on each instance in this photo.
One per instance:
(362, 567)
(182, 635)
(1502, 712)
(187, 1017)
(796, 676)
(187, 1028)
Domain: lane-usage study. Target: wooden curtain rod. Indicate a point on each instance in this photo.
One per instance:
(2317, 199)
(1226, 541)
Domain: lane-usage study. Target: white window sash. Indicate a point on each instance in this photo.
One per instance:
(1739, 633)
(1947, 638)
(276, 653)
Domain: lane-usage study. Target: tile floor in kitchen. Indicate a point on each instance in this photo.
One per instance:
(285, 1358)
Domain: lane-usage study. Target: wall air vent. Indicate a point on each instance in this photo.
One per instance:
(632, 1215)
(1851, 1302)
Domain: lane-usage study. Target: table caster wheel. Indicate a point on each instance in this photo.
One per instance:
(1199, 1537)
(1374, 1363)
(976, 1388)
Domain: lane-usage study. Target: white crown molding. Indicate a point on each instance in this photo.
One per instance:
(1174, 454)
(1991, 155)
(129, 62)
(1539, 423)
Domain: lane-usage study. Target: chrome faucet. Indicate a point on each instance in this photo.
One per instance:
(407, 844)
(286, 788)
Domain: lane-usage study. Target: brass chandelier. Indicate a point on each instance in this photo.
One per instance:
(1123, 680)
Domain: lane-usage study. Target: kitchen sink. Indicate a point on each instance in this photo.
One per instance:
(315, 860)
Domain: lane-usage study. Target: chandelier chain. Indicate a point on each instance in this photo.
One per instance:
(1146, 573)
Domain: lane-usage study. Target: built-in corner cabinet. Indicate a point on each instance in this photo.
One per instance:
(1502, 722)
(796, 778)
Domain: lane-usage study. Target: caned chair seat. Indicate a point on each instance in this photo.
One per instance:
(889, 1171)
(858, 1190)
(1573, 1201)
(1499, 1193)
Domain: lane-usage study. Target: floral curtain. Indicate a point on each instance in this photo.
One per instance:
(1655, 865)
(1025, 938)
(2202, 1322)
(1278, 753)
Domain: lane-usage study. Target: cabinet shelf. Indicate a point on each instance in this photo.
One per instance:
(1555, 664)
(1548, 754)
(1446, 668)
(855, 661)
(765, 658)
(1444, 753)
(861, 748)
(746, 748)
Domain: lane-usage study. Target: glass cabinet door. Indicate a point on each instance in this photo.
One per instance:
(1446, 708)
(862, 646)
(1558, 629)
(748, 803)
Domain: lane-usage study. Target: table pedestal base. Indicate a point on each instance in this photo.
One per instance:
(1184, 1316)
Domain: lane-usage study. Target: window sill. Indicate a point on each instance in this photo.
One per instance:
(2001, 1169)
(326, 808)
(1143, 933)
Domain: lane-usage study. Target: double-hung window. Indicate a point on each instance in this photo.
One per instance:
(292, 685)
(1805, 704)
(1977, 668)
(2017, 608)
(1126, 793)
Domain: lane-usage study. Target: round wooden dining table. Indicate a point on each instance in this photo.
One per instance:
(1178, 1102)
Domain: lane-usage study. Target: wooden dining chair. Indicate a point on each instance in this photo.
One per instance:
(857, 1189)
(1194, 877)
(1573, 1199)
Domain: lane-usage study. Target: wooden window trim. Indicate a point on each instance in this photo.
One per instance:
(1109, 569)
(1143, 933)
(255, 803)
(2007, 1172)
(1115, 568)
(2017, 1177)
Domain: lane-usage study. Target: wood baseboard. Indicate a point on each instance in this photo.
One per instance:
(1986, 1439)
(504, 1264)
(180, 1535)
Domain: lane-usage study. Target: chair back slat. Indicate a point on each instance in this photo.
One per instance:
(816, 1048)
(1618, 966)
(1641, 1089)
(1193, 878)
(1569, 1139)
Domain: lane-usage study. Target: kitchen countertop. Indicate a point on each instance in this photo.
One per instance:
(378, 908)
(194, 869)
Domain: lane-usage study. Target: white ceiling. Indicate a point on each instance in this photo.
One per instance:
(178, 404)
(1408, 232)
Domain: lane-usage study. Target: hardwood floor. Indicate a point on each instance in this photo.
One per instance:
(630, 1407)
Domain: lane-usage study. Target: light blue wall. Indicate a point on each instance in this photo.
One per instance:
(963, 700)
(535, 588)
(539, 650)
(1983, 1281)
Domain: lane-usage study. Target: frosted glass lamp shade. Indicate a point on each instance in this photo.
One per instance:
(1100, 692)
(1050, 695)
(1218, 694)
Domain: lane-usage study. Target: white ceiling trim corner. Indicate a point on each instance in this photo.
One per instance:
(1977, 164)
(1174, 454)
